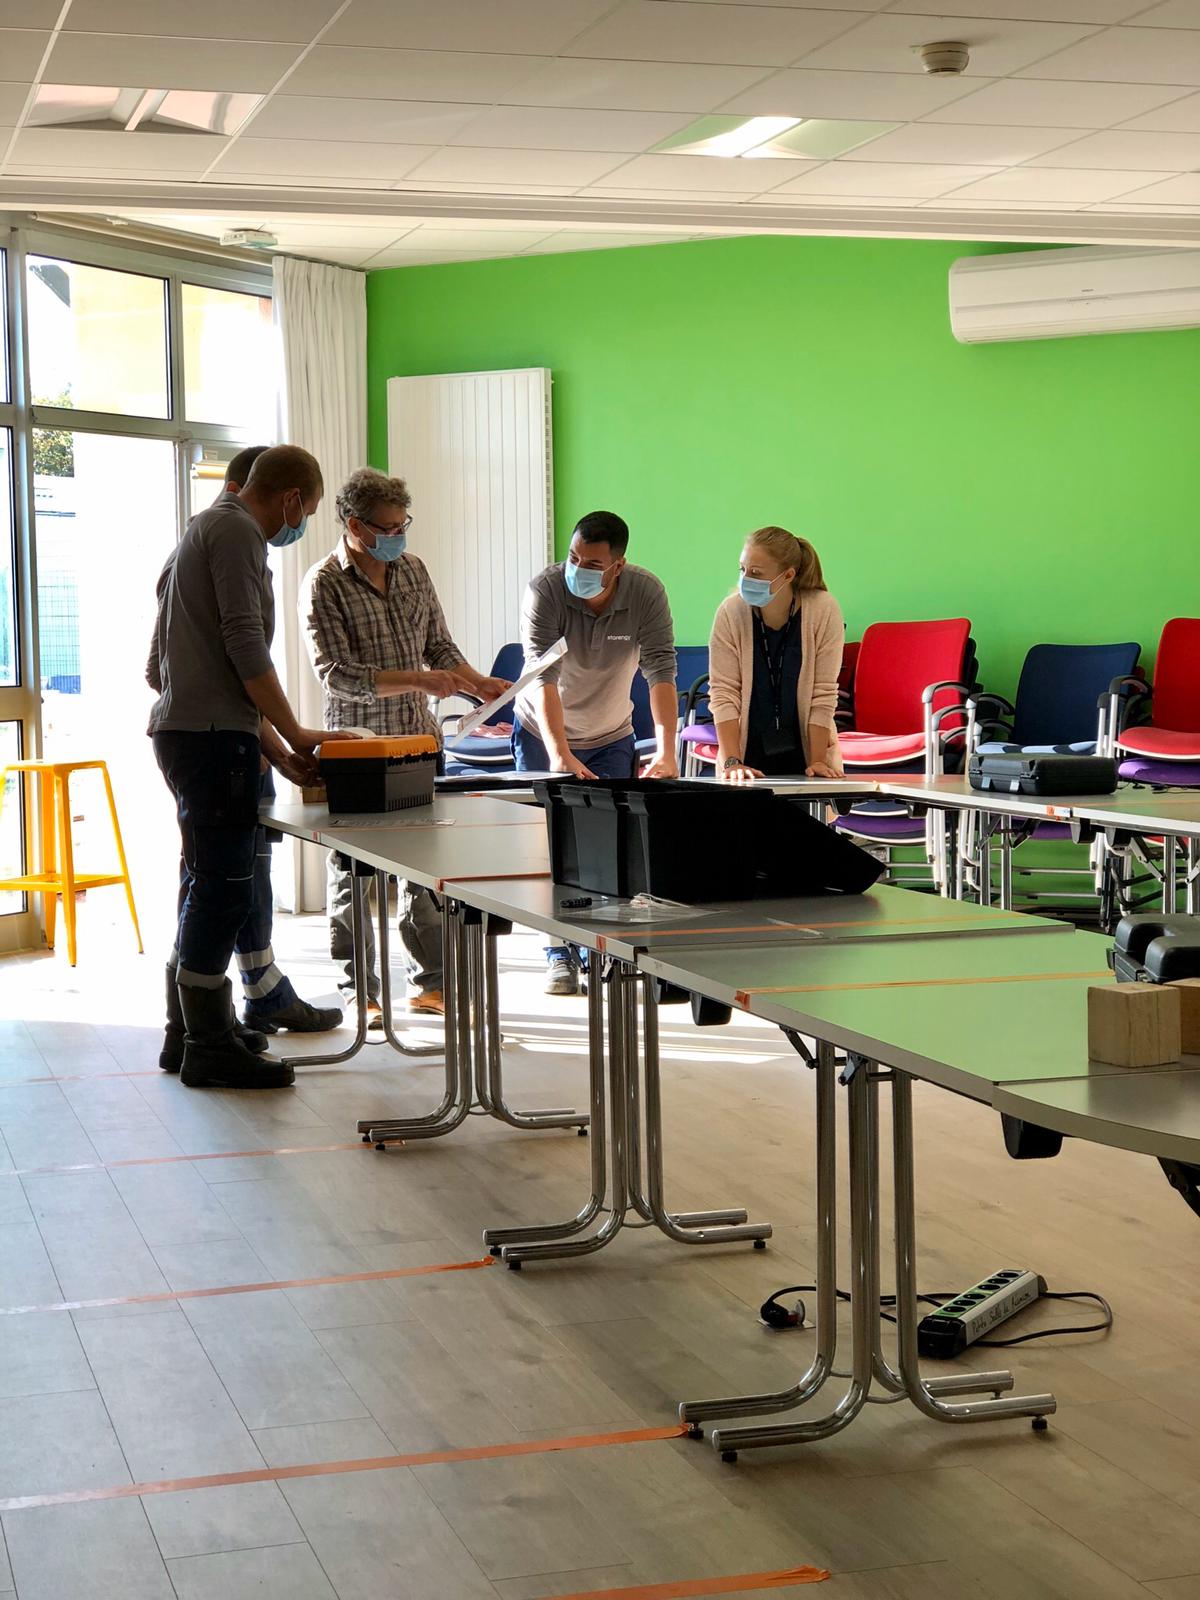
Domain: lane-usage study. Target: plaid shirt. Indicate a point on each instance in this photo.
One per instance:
(354, 632)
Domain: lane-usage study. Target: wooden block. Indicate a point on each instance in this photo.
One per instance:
(1134, 1024)
(1189, 999)
(314, 794)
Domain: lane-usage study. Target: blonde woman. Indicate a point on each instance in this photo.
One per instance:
(774, 657)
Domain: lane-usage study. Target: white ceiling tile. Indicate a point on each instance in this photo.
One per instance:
(953, 202)
(885, 43)
(558, 243)
(305, 158)
(722, 196)
(336, 255)
(147, 63)
(1177, 116)
(283, 21)
(1052, 183)
(753, 35)
(276, 183)
(464, 164)
(1172, 14)
(398, 74)
(445, 186)
(424, 258)
(1183, 190)
(1127, 55)
(66, 149)
(1127, 207)
(963, 144)
(700, 174)
(498, 240)
(298, 116)
(866, 96)
(631, 85)
(570, 128)
(308, 235)
(898, 180)
(536, 27)
(21, 51)
(832, 204)
(1142, 152)
(801, 5)
(1097, 11)
(206, 223)
(41, 13)
(12, 101)
(1020, 102)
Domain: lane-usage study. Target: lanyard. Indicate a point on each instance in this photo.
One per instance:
(775, 662)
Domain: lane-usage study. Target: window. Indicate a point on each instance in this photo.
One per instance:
(8, 599)
(97, 339)
(11, 818)
(228, 359)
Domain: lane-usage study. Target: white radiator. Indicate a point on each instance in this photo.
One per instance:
(475, 448)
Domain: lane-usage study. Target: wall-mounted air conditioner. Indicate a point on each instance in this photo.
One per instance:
(1054, 294)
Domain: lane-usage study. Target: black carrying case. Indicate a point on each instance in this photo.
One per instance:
(1150, 948)
(693, 842)
(1014, 773)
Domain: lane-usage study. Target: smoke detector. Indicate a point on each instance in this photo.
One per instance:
(249, 239)
(945, 58)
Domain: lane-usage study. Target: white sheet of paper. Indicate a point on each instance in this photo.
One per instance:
(477, 718)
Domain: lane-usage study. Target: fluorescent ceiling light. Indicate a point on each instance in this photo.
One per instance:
(822, 139)
(726, 136)
(111, 110)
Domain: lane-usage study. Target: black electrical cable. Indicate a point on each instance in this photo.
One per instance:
(785, 1320)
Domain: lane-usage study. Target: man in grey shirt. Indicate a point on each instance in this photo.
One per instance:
(578, 717)
(212, 658)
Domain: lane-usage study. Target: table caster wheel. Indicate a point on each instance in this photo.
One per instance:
(695, 1431)
(760, 1244)
(729, 1457)
(495, 1249)
(513, 1266)
(381, 1146)
(1040, 1424)
(366, 1138)
(581, 1133)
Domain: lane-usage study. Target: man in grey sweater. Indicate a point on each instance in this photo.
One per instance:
(212, 645)
(577, 718)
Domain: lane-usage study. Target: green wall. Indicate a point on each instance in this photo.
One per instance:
(1047, 490)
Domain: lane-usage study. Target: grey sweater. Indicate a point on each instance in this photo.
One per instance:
(215, 623)
(603, 652)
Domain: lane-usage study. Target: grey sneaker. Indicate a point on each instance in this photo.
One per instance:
(562, 976)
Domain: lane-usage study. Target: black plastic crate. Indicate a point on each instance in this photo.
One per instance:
(379, 783)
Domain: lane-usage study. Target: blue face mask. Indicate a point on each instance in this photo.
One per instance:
(755, 591)
(585, 583)
(389, 546)
(287, 534)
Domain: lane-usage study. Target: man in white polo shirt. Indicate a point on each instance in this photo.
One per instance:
(578, 717)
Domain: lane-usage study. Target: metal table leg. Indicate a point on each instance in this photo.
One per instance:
(694, 1412)
(358, 913)
(385, 979)
(456, 1101)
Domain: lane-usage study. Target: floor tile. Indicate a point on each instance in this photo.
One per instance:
(53, 1442)
(359, 1440)
(170, 1410)
(283, 1572)
(99, 1551)
(239, 1516)
(41, 1354)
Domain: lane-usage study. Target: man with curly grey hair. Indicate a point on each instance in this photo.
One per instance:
(378, 642)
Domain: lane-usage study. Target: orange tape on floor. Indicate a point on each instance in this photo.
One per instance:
(736, 1583)
(160, 1161)
(322, 1469)
(161, 1296)
(743, 995)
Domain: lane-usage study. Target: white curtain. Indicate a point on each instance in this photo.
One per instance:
(321, 318)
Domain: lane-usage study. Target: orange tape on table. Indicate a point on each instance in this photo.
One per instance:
(323, 1469)
(735, 1583)
(743, 995)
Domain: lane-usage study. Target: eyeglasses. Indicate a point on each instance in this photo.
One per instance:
(396, 527)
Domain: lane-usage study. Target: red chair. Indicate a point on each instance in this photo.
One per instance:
(910, 687)
(911, 683)
(1158, 749)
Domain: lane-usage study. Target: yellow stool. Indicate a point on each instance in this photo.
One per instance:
(54, 832)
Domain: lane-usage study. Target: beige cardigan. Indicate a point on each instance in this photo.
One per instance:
(731, 661)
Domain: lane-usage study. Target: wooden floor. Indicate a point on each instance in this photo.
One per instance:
(1105, 1506)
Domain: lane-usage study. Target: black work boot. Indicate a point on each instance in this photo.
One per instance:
(212, 1052)
(298, 1016)
(170, 1057)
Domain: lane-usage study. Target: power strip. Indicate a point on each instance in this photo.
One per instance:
(948, 1331)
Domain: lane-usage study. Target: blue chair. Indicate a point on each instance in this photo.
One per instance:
(691, 681)
(478, 752)
(1055, 713)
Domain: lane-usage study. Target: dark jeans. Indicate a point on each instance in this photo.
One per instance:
(616, 760)
(214, 779)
